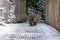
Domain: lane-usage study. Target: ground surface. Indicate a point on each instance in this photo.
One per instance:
(23, 31)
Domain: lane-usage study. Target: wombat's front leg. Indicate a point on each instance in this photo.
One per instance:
(31, 24)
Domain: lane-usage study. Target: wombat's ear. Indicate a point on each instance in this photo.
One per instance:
(10, 0)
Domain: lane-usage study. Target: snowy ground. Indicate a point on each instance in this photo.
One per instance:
(23, 31)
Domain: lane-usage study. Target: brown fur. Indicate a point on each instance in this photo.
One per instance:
(32, 18)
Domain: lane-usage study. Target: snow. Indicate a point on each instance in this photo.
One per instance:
(1, 3)
(11, 15)
(22, 31)
(2, 14)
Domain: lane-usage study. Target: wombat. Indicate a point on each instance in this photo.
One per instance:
(32, 18)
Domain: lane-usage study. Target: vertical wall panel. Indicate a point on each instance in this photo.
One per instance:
(20, 10)
(52, 13)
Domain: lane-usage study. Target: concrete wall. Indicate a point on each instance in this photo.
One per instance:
(52, 13)
(20, 10)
